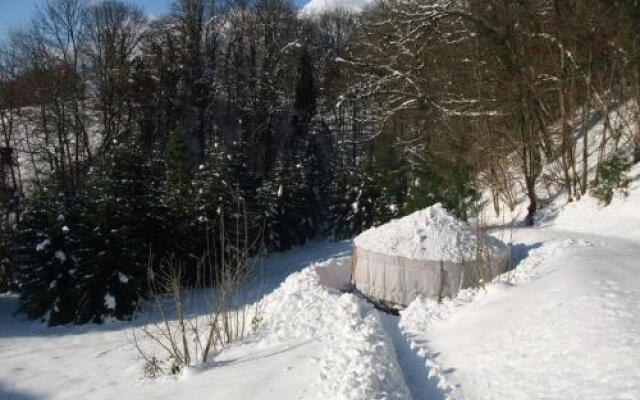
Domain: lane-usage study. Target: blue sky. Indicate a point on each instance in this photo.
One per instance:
(14, 13)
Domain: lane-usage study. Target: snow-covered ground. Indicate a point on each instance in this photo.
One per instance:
(287, 359)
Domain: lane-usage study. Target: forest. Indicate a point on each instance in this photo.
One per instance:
(225, 131)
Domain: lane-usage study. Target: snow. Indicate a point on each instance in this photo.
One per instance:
(429, 234)
(562, 324)
(302, 358)
(60, 256)
(43, 245)
(620, 219)
(570, 330)
(122, 278)
(316, 8)
(358, 361)
(109, 302)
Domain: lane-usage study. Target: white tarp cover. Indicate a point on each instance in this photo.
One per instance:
(399, 280)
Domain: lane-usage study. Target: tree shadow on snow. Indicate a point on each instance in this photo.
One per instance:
(520, 251)
(270, 273)
(7, 393)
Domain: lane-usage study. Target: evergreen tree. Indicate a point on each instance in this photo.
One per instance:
(216, 203)
(84, 256)
(385, 171)
(440, 182)
(306, 91)
(285, 201)
(6, 264)
(317, 191)
(49, 246)
(178, 169)
(114, 274)
(354, 201)
(369, 194)
(176, 195)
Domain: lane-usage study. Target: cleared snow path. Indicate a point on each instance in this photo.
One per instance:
(412, 361)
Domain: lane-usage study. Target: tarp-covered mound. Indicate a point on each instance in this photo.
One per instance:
(429, 253)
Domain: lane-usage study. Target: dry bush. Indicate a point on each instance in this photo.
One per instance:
(186, 333)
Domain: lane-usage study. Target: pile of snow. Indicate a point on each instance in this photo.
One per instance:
(316, 8)
(358, 361)
(429, 234)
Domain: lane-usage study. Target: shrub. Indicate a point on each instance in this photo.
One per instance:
(611, 176)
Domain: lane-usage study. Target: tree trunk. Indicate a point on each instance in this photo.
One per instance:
(636, 141)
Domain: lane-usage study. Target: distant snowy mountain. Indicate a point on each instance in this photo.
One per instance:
(319, 7)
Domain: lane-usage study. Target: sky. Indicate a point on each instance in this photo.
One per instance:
(16, 13)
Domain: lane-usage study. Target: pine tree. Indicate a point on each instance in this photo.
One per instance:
(354, 201)
(49, 246)
(177, 202)
(271, 203)
(385, 172)
(215, 204)
(306, 91)
(6, 264)
(178, 168)
(440, 182)
(318, 170)
(369, 194)
(286, 204)
(114, 275)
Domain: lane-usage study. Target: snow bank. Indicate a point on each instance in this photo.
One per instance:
(359, 361)
(429, 234)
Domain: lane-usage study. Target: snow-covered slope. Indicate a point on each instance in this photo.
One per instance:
(316, 8)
